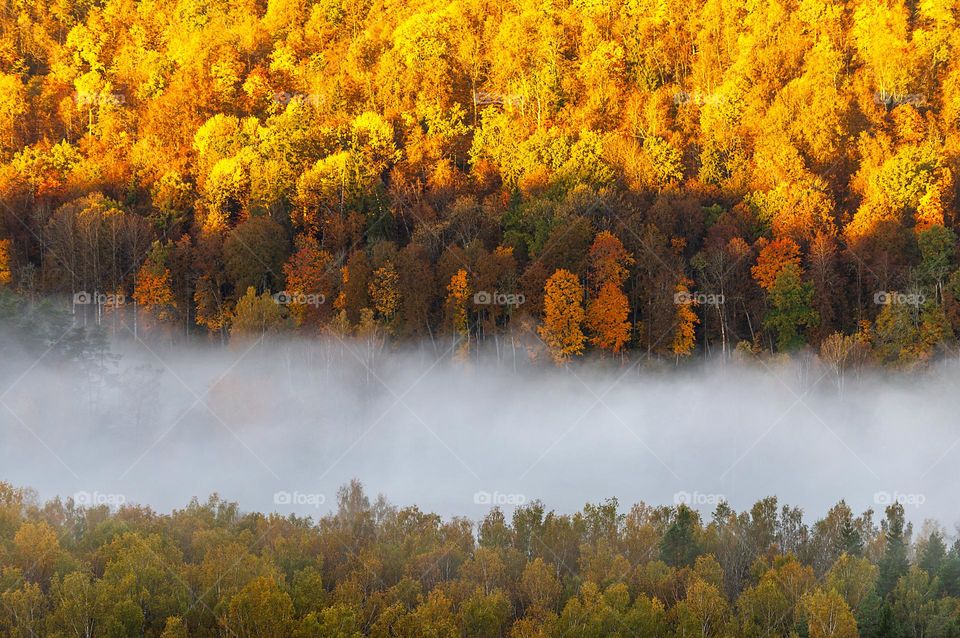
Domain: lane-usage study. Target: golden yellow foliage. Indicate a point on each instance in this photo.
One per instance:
(384, 291)
(684, 335)
(458, 293)
(774, 257)
(607, 318)
(153, 294)
(6, 276)
(563, 316)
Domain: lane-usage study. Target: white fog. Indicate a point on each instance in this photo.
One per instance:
(280, 427)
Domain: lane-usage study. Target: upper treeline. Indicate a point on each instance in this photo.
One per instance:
(651, 176)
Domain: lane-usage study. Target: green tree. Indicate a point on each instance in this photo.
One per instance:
(938, 247)
(679, 545)
(894, 563)
(791, 308)
(932, 555)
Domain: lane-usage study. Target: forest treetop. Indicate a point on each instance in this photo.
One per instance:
(369, 568)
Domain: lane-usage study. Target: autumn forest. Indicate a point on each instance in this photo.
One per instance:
(657, 179)
(370, 568)
(562, 187)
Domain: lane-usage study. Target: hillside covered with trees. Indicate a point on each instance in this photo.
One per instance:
(372, 569)
(637, 176)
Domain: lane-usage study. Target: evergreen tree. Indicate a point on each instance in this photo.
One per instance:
(894, 562)
(679, 546)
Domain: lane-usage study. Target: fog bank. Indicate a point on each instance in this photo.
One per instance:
(279, 428)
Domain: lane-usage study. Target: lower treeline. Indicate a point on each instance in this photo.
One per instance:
(369, 568)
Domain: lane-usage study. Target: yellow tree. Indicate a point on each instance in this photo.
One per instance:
(6, 262)
(13, 106)
(36, 551)
(153, 292)
(261, 608)
(563, 316)
(774, 257)
(609, 309)
(853, 578)
(828, 615)
(606, 318)
(881, 34)
(340, 303)
(703, 611)
(384, 288)
(458, 294)
(212, 312)
(256, 316)
(684, 336)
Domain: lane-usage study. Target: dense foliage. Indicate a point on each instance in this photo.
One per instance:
(615, 176)
(371, 569)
